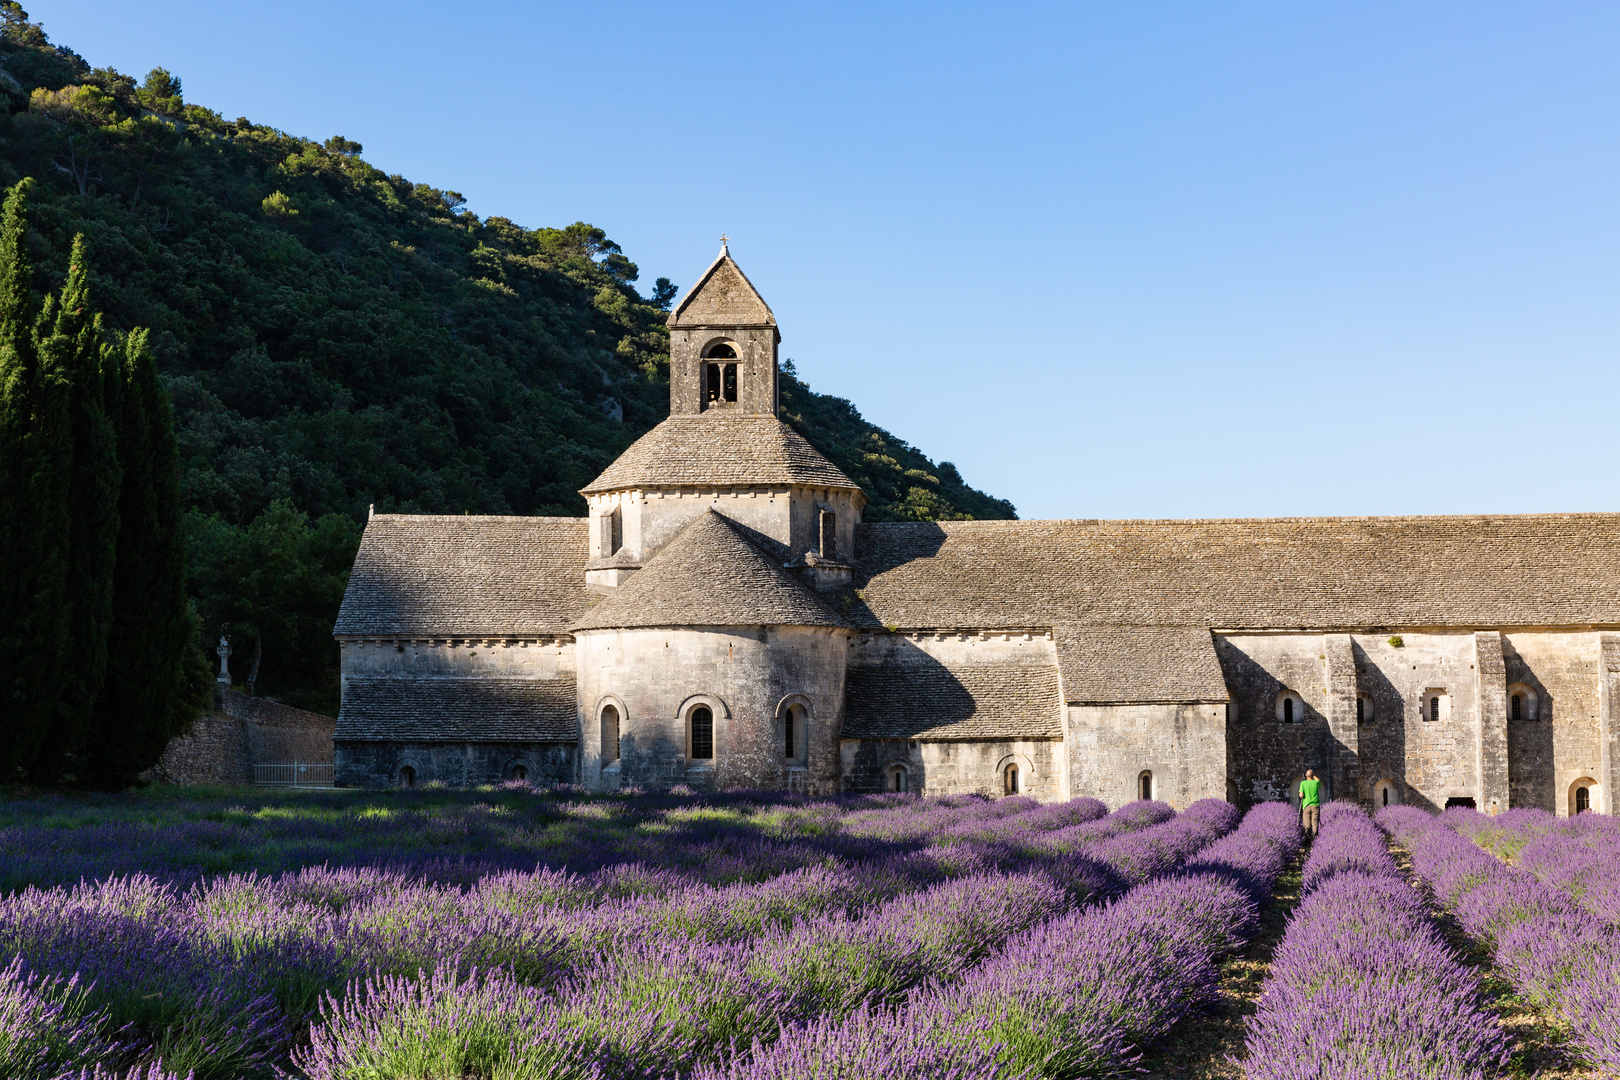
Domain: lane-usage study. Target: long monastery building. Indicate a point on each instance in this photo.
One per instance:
(723, 618)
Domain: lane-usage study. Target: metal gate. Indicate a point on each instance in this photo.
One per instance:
(293, 774)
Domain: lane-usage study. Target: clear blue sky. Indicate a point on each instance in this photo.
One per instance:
(1114, 260)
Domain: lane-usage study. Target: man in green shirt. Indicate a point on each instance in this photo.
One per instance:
(1310, 803)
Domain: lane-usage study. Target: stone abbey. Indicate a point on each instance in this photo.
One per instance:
(723, 618)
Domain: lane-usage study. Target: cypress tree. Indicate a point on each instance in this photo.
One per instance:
(35, 459)
(71, 351)
(147, 698)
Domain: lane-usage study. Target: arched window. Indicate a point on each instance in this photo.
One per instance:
(796, 734)
(1522, 703)
(1434, 707)
(702, 724)
(1144, 785)
(518, 772)
(898, 778)
(1009, 780)
(407, 776)
(610, 734)
(1583, 796)
(1385, 793)
(720, 379)
(1288, 710)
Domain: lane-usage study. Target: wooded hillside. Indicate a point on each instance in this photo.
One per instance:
(334, 336)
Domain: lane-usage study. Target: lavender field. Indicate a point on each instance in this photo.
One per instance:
(517, 933)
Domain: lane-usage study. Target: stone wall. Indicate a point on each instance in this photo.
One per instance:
(1563, 743)
(1428, 761)
(1182, 748)
(223, 746)
(378, 764)
(967, 767)
(649, 519)
(746, 678)
(213, 751)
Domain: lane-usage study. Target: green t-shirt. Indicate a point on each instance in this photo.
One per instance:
(1310, 793)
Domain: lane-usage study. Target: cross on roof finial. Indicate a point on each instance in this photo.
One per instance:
(722, 243)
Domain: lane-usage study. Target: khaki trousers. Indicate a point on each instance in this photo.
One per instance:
(1310, 818)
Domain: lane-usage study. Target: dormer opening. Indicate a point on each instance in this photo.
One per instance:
(720, 377)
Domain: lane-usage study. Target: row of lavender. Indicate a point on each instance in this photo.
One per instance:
(1579, 856)
(1077, 996)
(458, 837)
(629, 970)
(1554, 951)
(1363, 984)
(663, 1006)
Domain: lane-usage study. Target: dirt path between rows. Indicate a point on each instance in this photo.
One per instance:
(1211, 1047)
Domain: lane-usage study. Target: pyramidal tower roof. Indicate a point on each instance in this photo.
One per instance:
(723, 296)
(710, 575)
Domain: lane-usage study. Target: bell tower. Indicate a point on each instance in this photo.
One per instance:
(722, 346)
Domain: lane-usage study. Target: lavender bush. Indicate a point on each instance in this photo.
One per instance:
(1554, 951)
(1579, 856)
(1079, 994)
(1362, 984)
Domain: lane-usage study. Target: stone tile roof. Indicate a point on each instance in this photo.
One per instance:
(723, 296)
(937, 703)
(477, 709)
(714, 449)
(1310, 573)
(711, 575)
(426, 576)
(1139, 664)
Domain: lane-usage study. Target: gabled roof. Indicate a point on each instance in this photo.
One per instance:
(1139, 664)
(723, 296)
(418, 575)
(716, 449)
(710, 575)
(931, 701)
(484, 708)
(1267, 573)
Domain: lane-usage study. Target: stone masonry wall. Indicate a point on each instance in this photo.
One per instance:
(975, 767)
(1563, 743)
(377, 764)
(223, 746)
(745, 676)
(1183, 747)
(213, 751)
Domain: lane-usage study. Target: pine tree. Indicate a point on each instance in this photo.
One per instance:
(72, 350)
(147, 698)
(36, 452)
